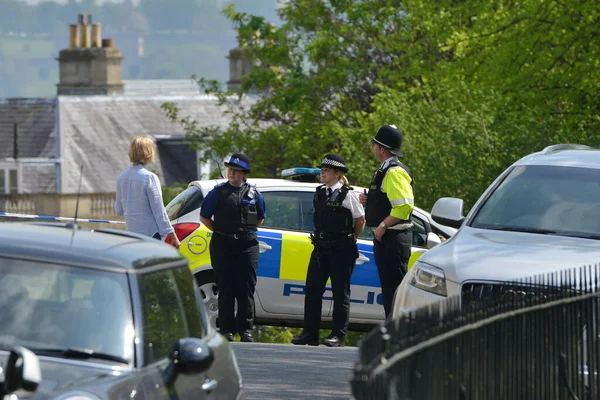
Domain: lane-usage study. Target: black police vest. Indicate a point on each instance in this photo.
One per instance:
(329, 214)
(378, 204)
(236, 210)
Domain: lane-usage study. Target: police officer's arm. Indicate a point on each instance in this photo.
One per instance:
(358, 213)
(396, 184)
(208, 208)
(359, 226)
(261, 209)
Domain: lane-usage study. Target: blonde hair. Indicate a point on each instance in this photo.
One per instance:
(342, 178)
(141, 150)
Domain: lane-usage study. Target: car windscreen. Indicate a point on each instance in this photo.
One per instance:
(54, 307)
(557, 200)
(185, 202)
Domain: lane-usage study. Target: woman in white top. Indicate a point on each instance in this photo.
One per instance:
(139, 195)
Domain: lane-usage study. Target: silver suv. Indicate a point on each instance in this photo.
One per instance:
(540, 215)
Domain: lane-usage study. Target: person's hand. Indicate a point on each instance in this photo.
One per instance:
(363, 198)
(174, 240)
(378, 233)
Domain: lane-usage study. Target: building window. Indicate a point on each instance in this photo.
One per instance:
(9, 182)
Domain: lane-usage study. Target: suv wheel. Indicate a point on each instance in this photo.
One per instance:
(209, 294)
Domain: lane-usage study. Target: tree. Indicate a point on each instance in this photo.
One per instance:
(474, 87)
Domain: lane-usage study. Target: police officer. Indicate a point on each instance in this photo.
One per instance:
(389, 204)
(237, 209)
(339, 220)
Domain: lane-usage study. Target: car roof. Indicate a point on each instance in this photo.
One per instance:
(206, 185)
(262, 183)
(564, 155)
(100, 249)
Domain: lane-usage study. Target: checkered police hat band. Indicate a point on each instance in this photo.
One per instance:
(333, 163)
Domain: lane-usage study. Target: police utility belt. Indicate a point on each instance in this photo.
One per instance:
(238, 235)
(328, 239)
(402, 226)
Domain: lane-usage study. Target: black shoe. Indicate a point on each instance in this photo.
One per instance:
(246, 336)
(334, 341)
(228, 336)
(306, 339)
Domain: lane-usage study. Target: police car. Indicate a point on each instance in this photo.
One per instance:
(285, 250)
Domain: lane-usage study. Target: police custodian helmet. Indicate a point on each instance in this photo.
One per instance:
(390, 138)
(239, 161)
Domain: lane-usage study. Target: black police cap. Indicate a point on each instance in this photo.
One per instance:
(239, 161)
(334, 161)
(390, 138)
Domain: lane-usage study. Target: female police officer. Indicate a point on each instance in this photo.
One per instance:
(339, 220)
(238, 210)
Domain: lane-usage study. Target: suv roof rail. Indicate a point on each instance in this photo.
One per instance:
(565, 146)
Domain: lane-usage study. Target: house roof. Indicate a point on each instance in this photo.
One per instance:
(95, 131)
(161, 86)
(35, 118)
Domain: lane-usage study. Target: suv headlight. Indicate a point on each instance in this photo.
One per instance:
(429, 278)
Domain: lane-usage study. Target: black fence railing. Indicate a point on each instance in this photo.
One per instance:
(535, 338)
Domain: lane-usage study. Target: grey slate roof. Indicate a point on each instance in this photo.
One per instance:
(161, 86)
(96, 131)
(35, 119)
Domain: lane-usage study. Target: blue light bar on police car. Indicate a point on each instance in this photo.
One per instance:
(300, 171)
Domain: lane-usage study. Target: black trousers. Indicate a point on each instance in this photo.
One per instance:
(391, 257)
(338, 265)
(235, 262)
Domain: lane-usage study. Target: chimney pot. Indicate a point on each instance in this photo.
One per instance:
(107, 43)
(84, 19)
(96, 35)
(74, 41)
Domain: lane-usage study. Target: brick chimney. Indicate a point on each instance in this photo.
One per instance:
(239, 65)
(91, 65)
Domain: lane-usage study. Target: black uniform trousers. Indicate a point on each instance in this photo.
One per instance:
(392, 254)
(235, 262)
(336, 262)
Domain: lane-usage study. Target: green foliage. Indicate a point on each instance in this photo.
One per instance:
(276, 334)
(170, 192)
(474, 87)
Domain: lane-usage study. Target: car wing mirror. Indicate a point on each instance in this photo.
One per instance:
(432, 240)
(448, 211)
(189, 356)
(21, 372)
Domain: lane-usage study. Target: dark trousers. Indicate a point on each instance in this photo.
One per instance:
(337, 265)
(235, 262)
(391, 257)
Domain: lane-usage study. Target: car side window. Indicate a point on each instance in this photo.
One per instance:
(289, 210)
(170, 312)
(419, 232)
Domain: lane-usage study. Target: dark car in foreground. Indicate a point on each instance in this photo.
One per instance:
(110, 315)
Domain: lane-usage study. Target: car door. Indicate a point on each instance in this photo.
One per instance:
(282, 270)
(164, 322)
(420, 231)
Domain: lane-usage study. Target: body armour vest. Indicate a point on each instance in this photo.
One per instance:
(378, 204)
(236, 210)
(329, 214)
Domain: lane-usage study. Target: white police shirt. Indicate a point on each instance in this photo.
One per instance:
(350, 202)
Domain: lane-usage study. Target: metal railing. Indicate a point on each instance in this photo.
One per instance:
(532, 339)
